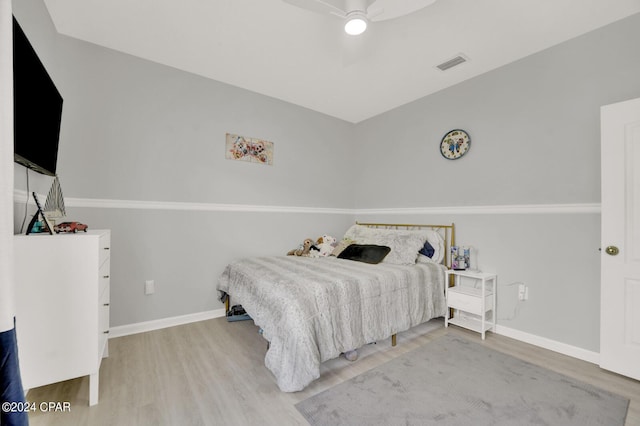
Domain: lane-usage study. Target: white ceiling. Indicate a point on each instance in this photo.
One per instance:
(279, 50)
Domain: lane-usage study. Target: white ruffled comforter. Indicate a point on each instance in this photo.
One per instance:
(313, 309)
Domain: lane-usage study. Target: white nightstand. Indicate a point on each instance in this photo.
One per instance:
(473, 303)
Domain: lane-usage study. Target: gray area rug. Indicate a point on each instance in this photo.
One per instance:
(453, 381)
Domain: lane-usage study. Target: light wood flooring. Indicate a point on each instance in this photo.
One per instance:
(212, 373)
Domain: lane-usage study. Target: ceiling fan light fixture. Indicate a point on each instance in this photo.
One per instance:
(356, 23)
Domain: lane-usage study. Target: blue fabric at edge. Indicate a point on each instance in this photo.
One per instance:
(10, 382)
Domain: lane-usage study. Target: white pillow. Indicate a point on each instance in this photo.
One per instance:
(424, 259)
(404, 244)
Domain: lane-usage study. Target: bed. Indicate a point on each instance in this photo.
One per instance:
(311, 310)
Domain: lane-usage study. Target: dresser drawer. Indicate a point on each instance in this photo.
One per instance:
(103, 319)
(104, 277)
(103, 312)
(104, 247)
(469, 300)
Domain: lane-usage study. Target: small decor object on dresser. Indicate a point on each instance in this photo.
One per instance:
(39, 223)
(70, 227)
(455, 144)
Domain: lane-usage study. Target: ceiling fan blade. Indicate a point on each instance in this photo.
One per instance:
(382, 10)
(357, 5)
(335, 7)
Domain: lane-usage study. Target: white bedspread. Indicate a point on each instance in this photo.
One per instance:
(313, 309)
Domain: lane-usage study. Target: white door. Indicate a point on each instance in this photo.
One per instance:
(620, 259)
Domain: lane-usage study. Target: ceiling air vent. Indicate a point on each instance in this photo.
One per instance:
(452, 63)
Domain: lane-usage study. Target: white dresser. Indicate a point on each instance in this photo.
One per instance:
(62, 306)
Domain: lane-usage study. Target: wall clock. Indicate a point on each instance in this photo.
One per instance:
(455, 144)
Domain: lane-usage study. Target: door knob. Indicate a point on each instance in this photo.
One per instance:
(612, 250)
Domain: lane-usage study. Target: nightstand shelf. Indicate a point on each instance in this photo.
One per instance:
(473, 304)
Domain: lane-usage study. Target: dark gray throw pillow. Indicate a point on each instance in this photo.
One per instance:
(367, 253)
(427, 250)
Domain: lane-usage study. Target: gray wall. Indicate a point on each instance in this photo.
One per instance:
(535, 129)
(139, 131)
(135, 130)
(534, 125)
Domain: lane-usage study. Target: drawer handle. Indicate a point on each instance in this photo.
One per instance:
(105, 276)
(106, 248)
(106, 304)
(105, 332)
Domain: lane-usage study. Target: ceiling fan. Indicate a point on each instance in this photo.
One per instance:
(357, 13)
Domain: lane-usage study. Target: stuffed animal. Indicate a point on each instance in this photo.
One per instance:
(327, 245)
(324, 246)
(314, 250)
(303, 250)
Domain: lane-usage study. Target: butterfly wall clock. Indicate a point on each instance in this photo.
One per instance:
(455, 144)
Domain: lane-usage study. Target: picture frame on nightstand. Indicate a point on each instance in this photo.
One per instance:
(460, 258)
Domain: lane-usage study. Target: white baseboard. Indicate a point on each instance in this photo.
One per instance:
(543, 342)
(553, 345)
(141, 327)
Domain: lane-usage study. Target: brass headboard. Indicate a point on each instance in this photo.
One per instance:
(448, 232)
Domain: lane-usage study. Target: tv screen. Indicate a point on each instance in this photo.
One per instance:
(37, 108)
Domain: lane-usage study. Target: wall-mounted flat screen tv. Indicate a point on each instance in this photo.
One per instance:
(37, 108)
